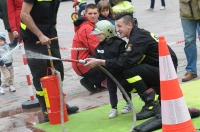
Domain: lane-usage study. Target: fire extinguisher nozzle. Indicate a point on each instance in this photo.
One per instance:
(63, 59)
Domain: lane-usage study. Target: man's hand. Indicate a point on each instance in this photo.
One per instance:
(44, 40)
(92, 62)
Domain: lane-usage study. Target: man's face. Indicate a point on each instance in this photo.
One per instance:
(92, 15)
(122, 28)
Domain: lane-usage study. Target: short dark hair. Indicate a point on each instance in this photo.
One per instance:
(90, 6)
(126, 16)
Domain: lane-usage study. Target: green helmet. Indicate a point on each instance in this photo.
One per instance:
(105, 27)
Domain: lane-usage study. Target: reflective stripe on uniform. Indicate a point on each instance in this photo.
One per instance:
(23, 26)
(133, 90)
(40, 93)
(141, 59)
(134, 79)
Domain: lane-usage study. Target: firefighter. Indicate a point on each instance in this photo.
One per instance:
(140, 64)
(38, 23)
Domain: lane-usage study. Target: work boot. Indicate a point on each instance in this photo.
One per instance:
(44, 108)
(150, 125)
(88, 85)
(188, 76)
(151, 107)
(72, 109)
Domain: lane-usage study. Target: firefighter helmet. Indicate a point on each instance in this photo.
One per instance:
(105, 27)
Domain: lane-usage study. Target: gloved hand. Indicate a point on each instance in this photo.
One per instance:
(1, 63)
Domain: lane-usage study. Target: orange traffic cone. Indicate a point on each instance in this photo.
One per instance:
(175, 114)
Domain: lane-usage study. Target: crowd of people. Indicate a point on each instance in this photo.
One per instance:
(135, 64)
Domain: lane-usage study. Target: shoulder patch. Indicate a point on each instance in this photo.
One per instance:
(129, 48)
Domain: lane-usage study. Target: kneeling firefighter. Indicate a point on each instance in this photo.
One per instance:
(139, 63)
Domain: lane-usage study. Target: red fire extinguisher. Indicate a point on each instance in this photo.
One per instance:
(51, 89)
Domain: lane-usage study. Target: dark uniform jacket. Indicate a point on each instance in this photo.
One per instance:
(110, 49)
(44, 15)
(141, 48)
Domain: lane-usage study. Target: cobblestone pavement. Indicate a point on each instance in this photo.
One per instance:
(165, 22)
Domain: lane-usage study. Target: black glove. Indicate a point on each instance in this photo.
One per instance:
(1, 63)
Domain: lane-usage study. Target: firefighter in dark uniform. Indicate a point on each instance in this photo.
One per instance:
(38, 24)
(140, 64)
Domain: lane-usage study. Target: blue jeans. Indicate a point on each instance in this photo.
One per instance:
(190, 28)
(81, 8)
(153, 3)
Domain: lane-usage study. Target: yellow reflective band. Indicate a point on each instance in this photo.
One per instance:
(141, 59)
(43, 0)
(156, 98)
(23, 26)
(133, 91)
(46, 98)
(40, 93)
(151, 107)
(134, 79)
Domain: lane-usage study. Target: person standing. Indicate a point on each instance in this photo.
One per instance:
(6, 66)
(38, 23)
(92, 77)
(110, 47)
(4, 17)
(190, 19)
(153, 3)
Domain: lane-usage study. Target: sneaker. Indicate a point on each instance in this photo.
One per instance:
(150, 9)
(126, 109)
(113, 113)
(12, 89)
(162, 8)
(2, 91)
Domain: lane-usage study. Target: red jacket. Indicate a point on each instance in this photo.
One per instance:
(14, 10)
(83, 39)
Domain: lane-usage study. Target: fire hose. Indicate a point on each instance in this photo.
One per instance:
(61, 90)
(116, 82)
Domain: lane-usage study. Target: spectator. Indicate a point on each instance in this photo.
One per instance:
(153, 3)
(6, 64)
(41, 27)
(14, 9)
(92, 78)
(105, 11)
(110, 47)
(190, 16)
(82, 4)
